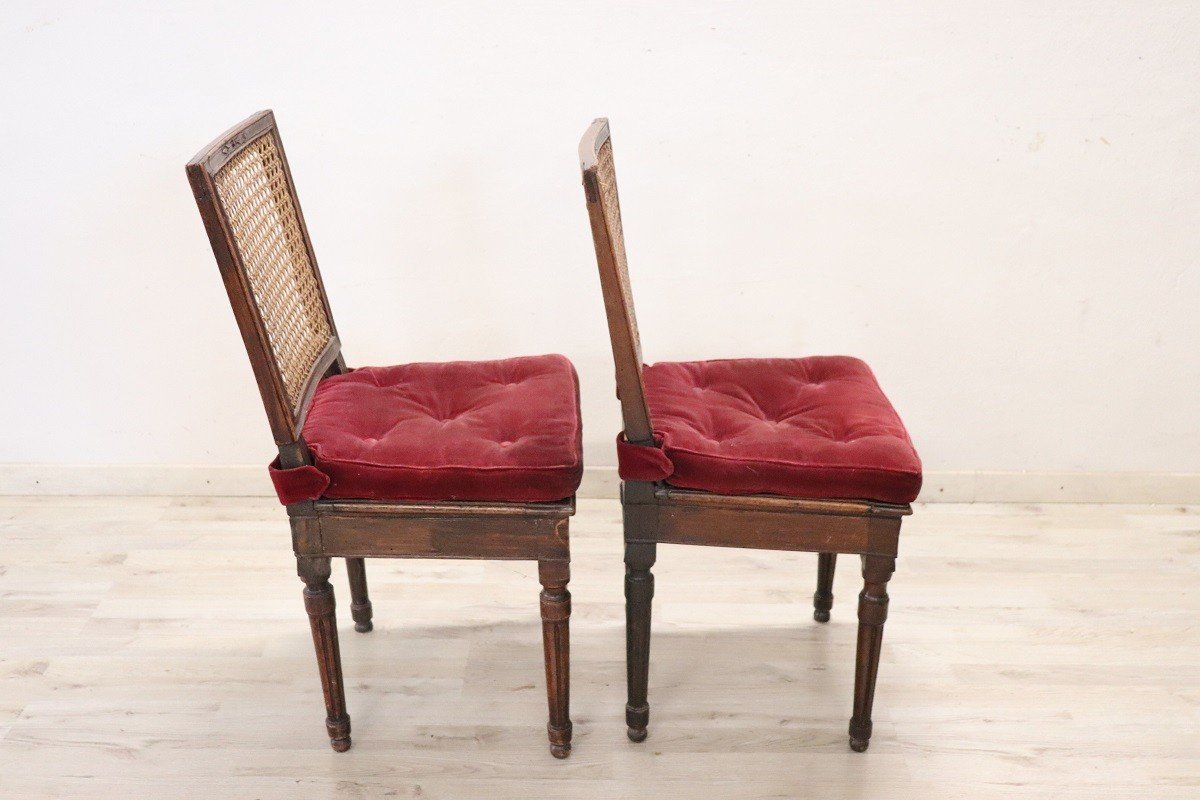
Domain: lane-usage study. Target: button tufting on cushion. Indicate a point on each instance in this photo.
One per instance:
(817, 427)
(504, 430)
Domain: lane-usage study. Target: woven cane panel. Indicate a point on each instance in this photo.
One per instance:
(253, 189)
(606, 176)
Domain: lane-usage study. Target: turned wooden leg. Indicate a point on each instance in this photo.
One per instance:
(318, 601)
(360, 603)
(639, 593)
(823, 599)
(556, 640)
(872, 612)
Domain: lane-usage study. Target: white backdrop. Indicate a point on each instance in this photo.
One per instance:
(996, 206)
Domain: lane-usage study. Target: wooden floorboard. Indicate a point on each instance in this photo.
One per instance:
(158, 647)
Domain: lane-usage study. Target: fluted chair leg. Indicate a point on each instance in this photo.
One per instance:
(872, 613)
(319, 602)
(556, 641)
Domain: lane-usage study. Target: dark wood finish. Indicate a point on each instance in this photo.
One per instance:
(657, 513)
(610, 254)
(425, 530)
(320, 605)
(872, 613)
(356, 530)
(680, 516)
(556, 641)
(360, 602)
(823, 597)
(639, 594)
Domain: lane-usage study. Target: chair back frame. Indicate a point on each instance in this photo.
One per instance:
(604, 212)
(286, 406)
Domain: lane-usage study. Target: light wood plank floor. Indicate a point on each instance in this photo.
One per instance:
(158, 648)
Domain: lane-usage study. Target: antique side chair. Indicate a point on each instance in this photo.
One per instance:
(475, 460)
(780, 454)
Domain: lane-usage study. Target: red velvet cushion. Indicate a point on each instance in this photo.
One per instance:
(817, 427)
(466, 430)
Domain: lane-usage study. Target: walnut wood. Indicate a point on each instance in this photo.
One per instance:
(639, 594)
(823, 597)
(872, 613)
(674, 516)
(670, 495)
(451, 508)
(625, 345)
(320, 605)
(556, 615)
(358, 529)
(360, 602)
(658, 513)
(771, 531)
(502, 538)
(287, 420)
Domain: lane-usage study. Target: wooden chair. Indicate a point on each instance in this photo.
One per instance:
(472, 460)
(780, 454)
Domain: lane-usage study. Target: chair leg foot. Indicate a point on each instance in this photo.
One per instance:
(560, 740)
(360, 602)
(860, 736)
(339, 733)
(637, 718)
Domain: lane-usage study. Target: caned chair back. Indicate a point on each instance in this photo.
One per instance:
(245, 193)
(604, 210)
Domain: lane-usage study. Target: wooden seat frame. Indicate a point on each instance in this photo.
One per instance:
(657, 513)
(354, 530)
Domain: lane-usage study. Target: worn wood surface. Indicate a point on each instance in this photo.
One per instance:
(286, 418)
(604, 216)
(152, 647)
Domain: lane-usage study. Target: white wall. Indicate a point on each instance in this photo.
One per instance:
(995, 205)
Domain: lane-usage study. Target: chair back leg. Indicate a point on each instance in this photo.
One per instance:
(556, 615)
(823, 598)
(360, 603)
(320, 605)
(872, 613)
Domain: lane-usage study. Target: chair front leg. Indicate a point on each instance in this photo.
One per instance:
(556, 641)
(872, 613)
(360, 602)
(639, 595)
(319, 602)
(823, 599)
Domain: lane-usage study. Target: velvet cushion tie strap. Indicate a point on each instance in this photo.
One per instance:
(297, 484)
(642, 462)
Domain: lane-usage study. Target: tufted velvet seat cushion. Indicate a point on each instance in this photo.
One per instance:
(817, 427)
(504, 430)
